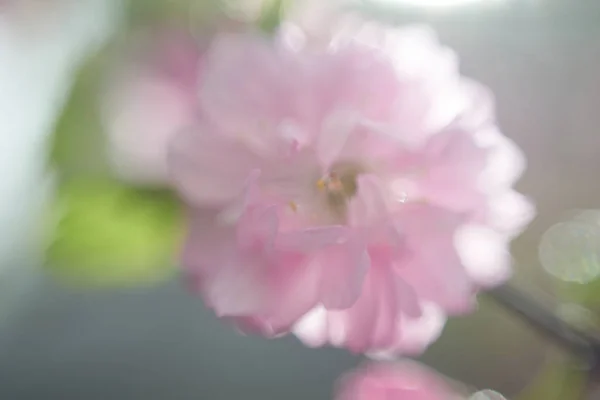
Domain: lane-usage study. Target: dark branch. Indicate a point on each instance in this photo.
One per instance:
(582, 345)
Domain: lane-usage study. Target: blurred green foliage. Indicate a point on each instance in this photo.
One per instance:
(559, 380)
(147, 12)
(105, 233)
(77, 147)
(271, 15)
(586, 295)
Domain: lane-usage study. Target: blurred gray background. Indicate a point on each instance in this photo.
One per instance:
(541, 58)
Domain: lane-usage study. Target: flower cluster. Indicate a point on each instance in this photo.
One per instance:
(345, 184)
(356, 194)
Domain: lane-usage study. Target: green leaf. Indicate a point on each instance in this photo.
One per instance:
(586, 295)
(271, 15)
(191, 12)
(109, 234)
(77, 146)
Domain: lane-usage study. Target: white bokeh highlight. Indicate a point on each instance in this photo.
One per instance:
(437, 4)
(570, 250)
(487, 395)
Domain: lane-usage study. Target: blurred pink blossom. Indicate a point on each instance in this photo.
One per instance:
(149, 97)
(399, 381)
(349, 194)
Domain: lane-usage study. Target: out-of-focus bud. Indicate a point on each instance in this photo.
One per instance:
(149, 97)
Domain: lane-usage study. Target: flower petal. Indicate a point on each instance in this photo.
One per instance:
(312, 239)
(343, 269)
(456, 162)
(433, 267)
(231, 281)
(204, 176)
(368, 207)
(335, 133)
(484, 254)
(509, 213)
(505, 163)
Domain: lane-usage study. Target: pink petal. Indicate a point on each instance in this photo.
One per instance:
(206, 237)
(289, 176)
(142, 114)
(343, 267)
(418, 333)
(312, 239)
(415, 334)
(480, 112)
(388, 309)
(295, 291)
(231, 281)
(246, 89)
(337, 128)
(505, 163)
(368, 207)
(455, 165)
(484, 254)
(238, 289)
(407, 298)
(434, 268)
(360, 319)
(510, 212)
(257, 228)
(204, 175)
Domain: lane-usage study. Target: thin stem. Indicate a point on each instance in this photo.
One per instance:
(581, 345)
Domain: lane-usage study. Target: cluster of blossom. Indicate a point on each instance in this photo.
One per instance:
(351, 187)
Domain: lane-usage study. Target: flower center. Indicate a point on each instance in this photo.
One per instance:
(339, 186)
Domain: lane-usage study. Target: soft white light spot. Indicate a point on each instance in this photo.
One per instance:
(404, 188)
(483, 253)
(436, 3)
(311, 329)
(487, 395)
(571, 251)
(589, 216)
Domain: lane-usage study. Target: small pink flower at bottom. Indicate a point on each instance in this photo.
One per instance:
(404, 380)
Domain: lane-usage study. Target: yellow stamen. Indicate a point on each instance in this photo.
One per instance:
(293, 206)
(321, 184)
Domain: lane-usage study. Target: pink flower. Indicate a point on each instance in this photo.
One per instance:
(399, 381)
(339, 192)
(148, 99)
